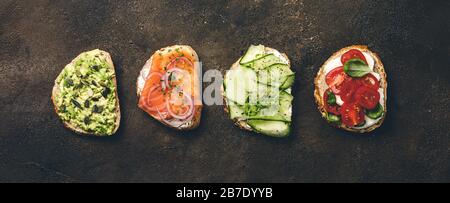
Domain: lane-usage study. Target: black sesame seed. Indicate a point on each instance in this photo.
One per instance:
(86, 104)
(106, 92)
(69, 82)
(74, 102)
(87, 120)
(97, 109)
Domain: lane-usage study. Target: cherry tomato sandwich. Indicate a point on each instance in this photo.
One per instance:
(169, 87)
(351, 90)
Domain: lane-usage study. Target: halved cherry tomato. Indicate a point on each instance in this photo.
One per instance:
(335, 78)
(348, 90)
(352, 114)
(354, 53)
(334, 109)
(367, 97)
(370, 81)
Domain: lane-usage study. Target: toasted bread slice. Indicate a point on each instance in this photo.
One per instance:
(240, 122)
(321, 86)
(57, 90)
(144, 73)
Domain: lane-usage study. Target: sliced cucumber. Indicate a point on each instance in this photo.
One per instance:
(264, 62)
(237, 84)
(271, 128)
(286, 105)
(281, 111)
(253, 53)
(266, 78)
(259, 92)
(288, 90)
(275, 75)
(271, 114)
(235, 110)
(233, 92)
(268, 95)
(283, 69)
(288, 82)
(375, 113)
(270, 118)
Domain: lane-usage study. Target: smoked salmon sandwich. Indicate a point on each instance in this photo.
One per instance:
(169, 87)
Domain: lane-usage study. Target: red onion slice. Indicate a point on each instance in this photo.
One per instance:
(163, 118)
(154, 74)
(168, 73)
(188, 113)
(174, 61)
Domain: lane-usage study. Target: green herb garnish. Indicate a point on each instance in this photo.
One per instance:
(356, 68)
(251, 110)
(333, 118)
(331, 98)
(375, 113)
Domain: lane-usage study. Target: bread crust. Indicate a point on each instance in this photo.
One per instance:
(195, 122)
(241, 123)
(56, 91)
(321, 87)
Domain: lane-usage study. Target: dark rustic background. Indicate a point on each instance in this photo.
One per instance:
(37, 39)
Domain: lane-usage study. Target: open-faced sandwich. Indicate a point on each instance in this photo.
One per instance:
(351, 90)
(85, 95)
(257, 92)
(169, 87)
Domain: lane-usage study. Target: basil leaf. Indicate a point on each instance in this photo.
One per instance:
(375, 113)
(333, 118)
(331, 98)
(356, 68)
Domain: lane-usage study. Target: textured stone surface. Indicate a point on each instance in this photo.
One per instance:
(37, 38)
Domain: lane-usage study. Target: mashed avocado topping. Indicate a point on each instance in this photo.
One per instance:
(87, 94)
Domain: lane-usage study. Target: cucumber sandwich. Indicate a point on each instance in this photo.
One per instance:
(85, 95)
(257, 92)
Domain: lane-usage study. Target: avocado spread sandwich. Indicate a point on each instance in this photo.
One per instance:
(85, 95)
(257, 92)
